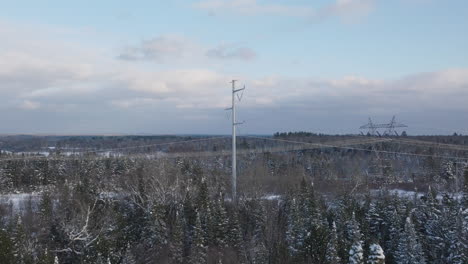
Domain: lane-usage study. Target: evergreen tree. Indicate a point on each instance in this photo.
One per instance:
(376, 254)
(332, 245)
(259, 250)
(7, 254)
(159, 218)
(20, 243)
(391, 230)
(434, 243)
(199, 248)
(177, 241)
(219, 223)
(356, 252)
(190, 216)
(295, 232)
(374, 221)
(235, 237)
(409, 249)
(202, 200)
(465, 189)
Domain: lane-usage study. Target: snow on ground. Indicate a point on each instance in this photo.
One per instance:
(19, 201)
(271, 197)
(411, 194)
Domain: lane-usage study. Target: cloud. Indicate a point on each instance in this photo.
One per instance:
(170, 49)
(161, 49)
(69, 89)
(348, 10)
(252, 7)
(225, 51)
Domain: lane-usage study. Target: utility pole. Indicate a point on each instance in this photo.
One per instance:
(234, 124)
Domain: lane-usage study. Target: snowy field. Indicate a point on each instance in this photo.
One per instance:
(20, 201)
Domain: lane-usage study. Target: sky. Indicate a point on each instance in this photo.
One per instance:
(164, 67)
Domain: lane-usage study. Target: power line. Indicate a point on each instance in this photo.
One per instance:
(156, 144)
(124, 148)
(361, 149)
(338, 144)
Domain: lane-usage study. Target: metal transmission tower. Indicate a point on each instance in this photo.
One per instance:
(391, 127)
(234, 125)
(381, 168)
(373, 128)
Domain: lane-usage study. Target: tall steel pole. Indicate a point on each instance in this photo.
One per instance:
(234, 154)
(234, 145)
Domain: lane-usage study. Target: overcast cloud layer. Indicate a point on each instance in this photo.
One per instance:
(178, 84)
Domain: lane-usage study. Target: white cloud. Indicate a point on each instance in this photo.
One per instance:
(252, 7)
(348, 10)
(230, 51)
(172, 49)
(162, 49)
(95, 87)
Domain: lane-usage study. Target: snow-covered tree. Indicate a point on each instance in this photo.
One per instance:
(409, 249)
(295, 233)
(376, 254)
(6, 247)
(374, 221)
(177, 241)
(332, 245)
(259, 250)
(235, 238)
(356, 253)
(218, 223)
(199, 248)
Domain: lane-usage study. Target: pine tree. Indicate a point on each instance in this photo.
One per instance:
(177, 242)
(374, 221)
(19, 242)
(356, 252)
(46, 208)
(202, 200)
(259, 250)
(465, 188)
(159, 226)
(219, 223)
(295, 233)
(332, 245)
(190, 216)
(6, 248)
(353, 232)
(434, 244)
(391, 229)
(235, 237)
(409, 249)
(376, 254)
(199, 248)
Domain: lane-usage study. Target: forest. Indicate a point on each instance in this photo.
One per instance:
(326, 205)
